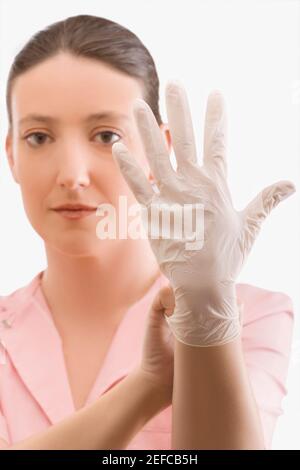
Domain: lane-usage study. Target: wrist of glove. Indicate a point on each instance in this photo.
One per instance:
(212, 316)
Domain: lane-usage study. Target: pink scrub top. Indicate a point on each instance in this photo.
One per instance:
(34, 387)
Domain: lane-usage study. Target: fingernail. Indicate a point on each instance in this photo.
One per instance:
(215, 93)
(119, 148)
(140, 106)
(173, 85)
(286, 190)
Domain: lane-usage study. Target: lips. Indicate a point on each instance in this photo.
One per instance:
(74, 211)
(74, 207)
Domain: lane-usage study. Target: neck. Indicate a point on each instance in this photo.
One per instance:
(98, 288)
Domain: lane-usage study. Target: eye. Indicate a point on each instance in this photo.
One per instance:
(39, 137)
(39, 141)
(107, 136)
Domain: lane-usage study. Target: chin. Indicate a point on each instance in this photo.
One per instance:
(82, 245)
(76, 244)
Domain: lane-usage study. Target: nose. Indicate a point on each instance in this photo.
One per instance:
(73, 171)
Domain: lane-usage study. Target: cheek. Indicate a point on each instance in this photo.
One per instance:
(116, 188)
(113, 184)
(33, 198)
(33, 169)
(34, 188)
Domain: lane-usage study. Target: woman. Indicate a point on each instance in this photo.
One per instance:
(88, 306)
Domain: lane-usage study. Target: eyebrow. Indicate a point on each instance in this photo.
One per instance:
(87, 119)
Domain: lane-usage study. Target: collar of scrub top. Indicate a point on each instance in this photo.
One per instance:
(29, 337)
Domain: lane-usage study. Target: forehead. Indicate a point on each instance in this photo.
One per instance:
(69, 88)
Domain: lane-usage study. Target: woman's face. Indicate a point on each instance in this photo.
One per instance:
(68, 158)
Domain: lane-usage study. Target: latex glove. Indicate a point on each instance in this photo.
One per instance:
(206, 311)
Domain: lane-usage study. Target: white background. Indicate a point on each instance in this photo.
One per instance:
(248, 49)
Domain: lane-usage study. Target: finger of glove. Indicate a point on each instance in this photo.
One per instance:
(261, 206)
(180, 124)
(155, 148)
(215, 134)
(133, 174)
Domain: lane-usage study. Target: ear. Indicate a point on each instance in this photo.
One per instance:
(167, 136)
(10, 158)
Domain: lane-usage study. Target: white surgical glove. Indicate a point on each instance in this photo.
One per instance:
(206, 311)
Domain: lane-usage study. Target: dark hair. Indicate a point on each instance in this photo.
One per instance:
(96, 38)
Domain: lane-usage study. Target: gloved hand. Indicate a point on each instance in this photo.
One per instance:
(206, 311)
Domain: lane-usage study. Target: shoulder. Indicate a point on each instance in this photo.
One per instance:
(256, 299)
(17, 298)
(267, 318)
